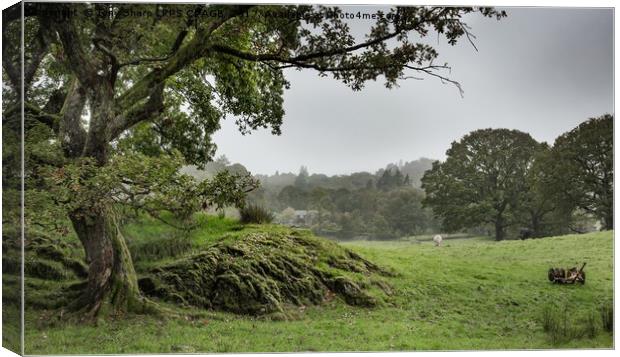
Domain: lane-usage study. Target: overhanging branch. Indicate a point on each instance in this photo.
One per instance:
(186, 55)
(146, 111)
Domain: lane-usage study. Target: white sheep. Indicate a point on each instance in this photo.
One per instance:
(437, 239)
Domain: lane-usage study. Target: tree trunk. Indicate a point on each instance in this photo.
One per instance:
(536, 225)
(608, 223)
(499, 229)
(112, 287)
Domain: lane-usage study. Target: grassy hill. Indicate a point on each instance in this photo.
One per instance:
(468, 294)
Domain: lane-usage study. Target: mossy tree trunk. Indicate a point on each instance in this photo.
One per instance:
(112, 287)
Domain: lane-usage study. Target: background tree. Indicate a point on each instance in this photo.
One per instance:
(97, 76)
(301, 182)
(539, 208)
(581, 169)
(291, 196)
(391, 179)
(404, 212)
(482, 181)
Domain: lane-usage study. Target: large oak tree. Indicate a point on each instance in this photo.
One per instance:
(580, 172)
(117, 85)
(484, 180)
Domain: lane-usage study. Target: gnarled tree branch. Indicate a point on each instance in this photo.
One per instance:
(186, 54)
(71, 132)
(81, 63)
(148, 110)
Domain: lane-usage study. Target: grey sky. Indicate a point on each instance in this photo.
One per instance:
(540, 70)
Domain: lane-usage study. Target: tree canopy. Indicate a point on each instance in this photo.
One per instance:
(580, 170)
(504, 178)
(483, 180)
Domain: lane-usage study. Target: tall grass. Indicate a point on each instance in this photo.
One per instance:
(255, 214)
(160, 248)
(569, 322)
(591, 325)
(607, 316)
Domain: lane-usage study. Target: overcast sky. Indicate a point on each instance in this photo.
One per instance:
(540, 70)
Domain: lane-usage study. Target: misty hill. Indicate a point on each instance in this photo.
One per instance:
(414, 169)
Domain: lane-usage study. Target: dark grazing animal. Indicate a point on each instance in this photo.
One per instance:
(526, 233)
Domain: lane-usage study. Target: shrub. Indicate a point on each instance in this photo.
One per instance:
(255, 214)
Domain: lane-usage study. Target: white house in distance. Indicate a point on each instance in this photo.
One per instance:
(300, 218)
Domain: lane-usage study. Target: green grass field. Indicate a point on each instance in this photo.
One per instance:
(469, 294)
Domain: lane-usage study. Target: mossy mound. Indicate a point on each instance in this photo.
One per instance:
(263, 272)
(51, 265)
(45, 257)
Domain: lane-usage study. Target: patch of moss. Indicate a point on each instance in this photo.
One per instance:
(45, 269)
(45, 257)
(259, 273)
(39, 293)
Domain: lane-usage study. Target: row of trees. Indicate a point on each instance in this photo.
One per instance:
(303, 179)
(505, 179)
(388, 206)
(383, 205)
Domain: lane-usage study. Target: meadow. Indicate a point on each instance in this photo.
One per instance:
(469, 294)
